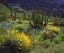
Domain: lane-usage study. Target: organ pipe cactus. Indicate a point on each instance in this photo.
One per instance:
(36, 16)
(37, 20)
(46, 21)
(42, 16)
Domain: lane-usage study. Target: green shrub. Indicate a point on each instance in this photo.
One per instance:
(4, 13)
(62, 36)
(19, 22)
(37, 41)
(46, 43)
(58, 49)
(37, 50)
(15, 42)
(57, 39)
(47, 35)
(54, 29)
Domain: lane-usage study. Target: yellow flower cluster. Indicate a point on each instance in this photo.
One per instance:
(1, 38)
(10, 20)
(19, 25)
(26, 21)
(17, 20)
(32, 23)
(51, 23)
(21, 38)
(12, 32)
(53, 28)
(23, 41)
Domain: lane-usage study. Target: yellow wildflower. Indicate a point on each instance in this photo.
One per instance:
(26, 21)
(11, 39)
(51, 23)
(53, 28)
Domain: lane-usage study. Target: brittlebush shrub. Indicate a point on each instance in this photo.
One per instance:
(53, 29)
(21, 27)
(23, 41)
(20, 40)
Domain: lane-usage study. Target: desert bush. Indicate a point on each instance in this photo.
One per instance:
(21, 27)
(62, 37)
(36, 42)
(57, 39)
(58, 49)
(26, 21)
(19, 21)
(53, 29)
(51, 23)
(46, 43)
(4, 13)
(37, 50)
(46, 35)
(17, 42)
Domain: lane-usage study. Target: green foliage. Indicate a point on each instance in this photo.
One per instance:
(4, 13)
(37, 41)
(61, 36)
(57, 39)
(19, 22)
(59, 22)
(45, 39)
(46, 35)
(59, 49)
(38, 50)
(54, 29)
(46, 43)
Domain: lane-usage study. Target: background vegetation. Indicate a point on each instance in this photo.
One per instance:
(20, 36)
